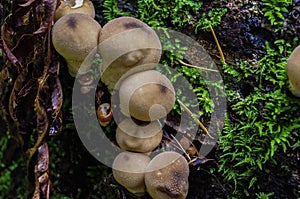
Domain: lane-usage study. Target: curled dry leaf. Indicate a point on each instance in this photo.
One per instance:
(20, 103)
(42, 181)
(4, 77)
(56, 99)
(29, 79)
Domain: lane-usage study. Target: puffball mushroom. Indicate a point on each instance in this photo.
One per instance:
(146, 96)
(166, 176)
(125, 43)
(293, 71)
(67, 7)
(129, 170)
(74, 36)
(141, 137)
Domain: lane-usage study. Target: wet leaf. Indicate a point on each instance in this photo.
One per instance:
(56, 101)
(198, 161)
(42, 159)
(50, 7)
(42, 181)
(28, 3)
(11, 57)
(56, 125)
(35, 93)
(56, 97)
(13, 100)
(4, 77)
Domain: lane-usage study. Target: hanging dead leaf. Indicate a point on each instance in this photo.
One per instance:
(56, 97)
(42, 181)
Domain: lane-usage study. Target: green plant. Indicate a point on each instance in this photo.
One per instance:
(270, 69)
(274, 10)
(111, 10)
(174, 14)
(263, 121)
(263, 195)
(212, 18)
(173, 52)
(10, 183)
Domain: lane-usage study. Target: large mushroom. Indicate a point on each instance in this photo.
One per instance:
(138, 137)
(68, 6)
(129, 171)
(74, 37)
(125, 43)
(293, 71)
(166, 176)
(146, 96)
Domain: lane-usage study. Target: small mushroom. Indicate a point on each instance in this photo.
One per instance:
(293, 71)
(104, 114)
(146, 96)
(74, 37)
(86, 79)
(138, 137)
(166, 176)
(125, 43)
(129, 170)
(68, 6)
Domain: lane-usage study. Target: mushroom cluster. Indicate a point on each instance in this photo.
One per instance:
(130, 51)
(293, 71)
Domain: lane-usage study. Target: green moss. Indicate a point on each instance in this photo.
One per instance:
(274, 10)
(11, 184)
(262, 124)
(212, 18)
(173, 14)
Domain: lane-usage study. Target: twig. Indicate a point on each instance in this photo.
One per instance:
(217, 42)
(198, 67)
(196, 119)
(187, 155)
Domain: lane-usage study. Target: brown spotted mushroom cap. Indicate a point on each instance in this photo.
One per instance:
(67, 7)
(129, 171)
(125, 43)
(293, 71)
(166, 176)
(74, 36)
(138, 137)
(146, 96)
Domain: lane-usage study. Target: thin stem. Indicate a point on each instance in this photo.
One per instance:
(218, 181)
(217, 42)
(182, 149)
(198, 67)
(196, 119)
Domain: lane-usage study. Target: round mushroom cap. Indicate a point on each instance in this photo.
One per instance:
(125, 43)
(74, 37)
(129, 170)
(166, 176)
(142, 137)
(293, 71)
(67, 7)
(146, 96)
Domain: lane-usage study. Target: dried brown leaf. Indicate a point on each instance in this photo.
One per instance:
(42, 164)
(10, 56)
(13, 100)
(42, 181)
(56, 97)
(4, 77)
